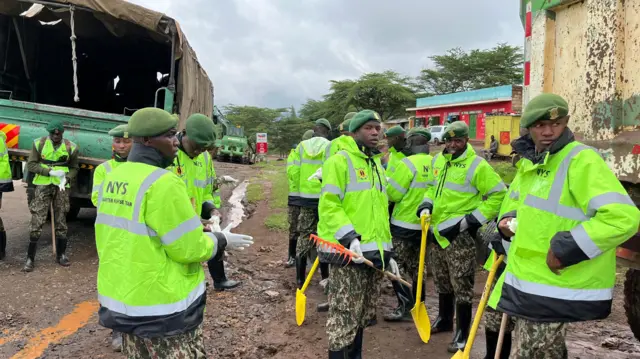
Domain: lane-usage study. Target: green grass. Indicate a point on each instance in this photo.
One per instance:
(505, 170)
(279, 189)
(278, 221)
(255, 192)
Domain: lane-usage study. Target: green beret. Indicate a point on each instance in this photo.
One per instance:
(456, 130)
(546, 106)
(420, 131)
(344, 126)
(348, 116)
(150, 122)
(307, 135)
(361, 118)
(121, 131)
(395, 131)
(324, 122)
(55, 125)
(200, 129)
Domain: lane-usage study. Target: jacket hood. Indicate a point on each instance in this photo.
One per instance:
(314, 146)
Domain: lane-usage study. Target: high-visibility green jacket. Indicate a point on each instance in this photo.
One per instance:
(6, 183)
(394, 158)
(407, 186)
(460, 185)
(311, 155)
(98, 176)
(336, 145)
(353, 205)
(150, 244)
(199, 176)
(572, 204)
(293, 177)
(56, 159)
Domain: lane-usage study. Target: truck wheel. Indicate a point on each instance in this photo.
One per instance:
(72, 215)
(632, 300)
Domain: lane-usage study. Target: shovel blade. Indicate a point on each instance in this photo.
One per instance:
(422, 322)
(301, 306)
(459, 355)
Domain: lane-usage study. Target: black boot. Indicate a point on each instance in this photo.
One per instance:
(322, 307)
(3, 244)
(492, 344)
(463, 324)
(61, 248)
(444, 321)
(356, 352)
(301, 270)
(220, 281)
(324, 270)
(340, 354)
(405, 303)
(291, 260)
(31, 257)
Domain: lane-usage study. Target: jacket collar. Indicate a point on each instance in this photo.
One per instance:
(525, 147)
(147, 155)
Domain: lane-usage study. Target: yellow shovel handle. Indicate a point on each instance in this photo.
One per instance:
(314, 268)
(424, 224)
(482, 305)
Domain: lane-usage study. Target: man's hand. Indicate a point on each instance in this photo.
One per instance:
(425, 212)
(554, 263)
(316, 175)
(355, 248)
(236, 241)
(497, 246)
(503, 226)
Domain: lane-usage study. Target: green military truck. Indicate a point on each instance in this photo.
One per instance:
(232, 145)
(90, 64)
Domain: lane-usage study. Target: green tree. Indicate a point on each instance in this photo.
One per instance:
(458, 70)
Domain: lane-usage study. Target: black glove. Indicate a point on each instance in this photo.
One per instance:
(497, 246)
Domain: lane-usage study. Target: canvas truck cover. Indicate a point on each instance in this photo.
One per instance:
(121, 18)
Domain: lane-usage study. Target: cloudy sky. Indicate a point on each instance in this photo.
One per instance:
(278, 53)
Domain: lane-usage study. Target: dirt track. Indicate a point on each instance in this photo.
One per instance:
(51, 312)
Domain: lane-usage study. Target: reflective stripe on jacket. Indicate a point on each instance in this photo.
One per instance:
(293, 177)
(199, 176)
(54, 158)
(6, 182)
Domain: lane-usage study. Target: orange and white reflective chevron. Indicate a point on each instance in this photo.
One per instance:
(12, 132)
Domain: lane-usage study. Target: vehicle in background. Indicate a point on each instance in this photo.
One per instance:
(596, 74)
(231, 143)
(126, 57)
(436, 134)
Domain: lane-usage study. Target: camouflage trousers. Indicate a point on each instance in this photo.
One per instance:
(493, 320)
(407, 257)
(307, 225)
(537, 340)
(188, 345)
(453, 268)
(353, 297)
(43, 198)
(294, 212)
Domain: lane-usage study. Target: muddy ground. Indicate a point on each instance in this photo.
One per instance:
(50, 313)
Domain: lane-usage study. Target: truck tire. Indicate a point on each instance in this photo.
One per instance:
(632, 300)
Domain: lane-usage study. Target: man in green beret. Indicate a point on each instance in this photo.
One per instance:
(396, 141)
(573, 212)
(458, 209)
(121, 145)
(353, 214)
(194, 165)
(54, 162)
(150, 242)
(293, 178)
(406, 189)
(308, 158)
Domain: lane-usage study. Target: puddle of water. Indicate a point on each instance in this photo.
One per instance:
(236, 213)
